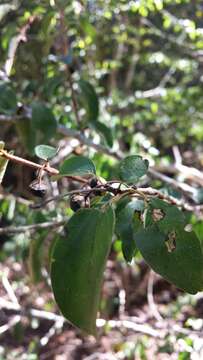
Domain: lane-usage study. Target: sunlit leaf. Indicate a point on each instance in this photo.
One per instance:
(132, 168)
(45, 152)
(77, 165)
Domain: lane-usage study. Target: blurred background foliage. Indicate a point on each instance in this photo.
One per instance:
(143, 58)
(134, 69)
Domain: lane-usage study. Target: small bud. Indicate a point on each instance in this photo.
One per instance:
(94, 182)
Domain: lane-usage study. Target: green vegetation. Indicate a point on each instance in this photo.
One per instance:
(100, 163)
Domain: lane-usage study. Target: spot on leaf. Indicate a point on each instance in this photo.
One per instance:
(171, 241)
(157, 214)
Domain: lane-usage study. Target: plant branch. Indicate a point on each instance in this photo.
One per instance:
(150, 297)
(14, 43)
(33, 227)
(19, 199)
(126, 323)
(183, 187)
(19, 160)
(9, 118)
(65, 50)
(46, 167)
(85, 141)
(143, 193)
(69, 133)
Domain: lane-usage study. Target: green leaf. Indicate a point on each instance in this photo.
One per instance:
(91, 102)
(43, 122)
(165, 215)
(8, 101)
(125, 227)
(51, 85)
(132, 168)
(87, 27)
(45, 152)
(77, 165)
(78, 262)
(180, 262)
(105, 131)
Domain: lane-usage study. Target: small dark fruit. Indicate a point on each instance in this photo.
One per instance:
(38, 188)
(38, 193)
(93, 182)
(98, 193)
(76, 202)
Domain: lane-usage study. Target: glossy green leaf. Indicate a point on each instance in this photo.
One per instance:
(78, 262)
(105, 132)
(125, 227)
(165, 215)
(45, 152)
(132, 168)
(181, 263)
(43, 122)
(77, 165)
(90, 99)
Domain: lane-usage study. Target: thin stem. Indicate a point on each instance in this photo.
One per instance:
(19, 160)
(44, 167)
(61, 197)
(144, 193)
(33, 227)
(150, 298)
